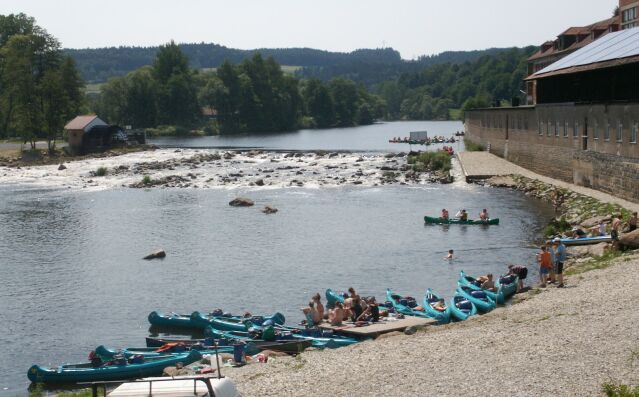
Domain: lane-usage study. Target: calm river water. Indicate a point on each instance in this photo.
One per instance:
(72, 277)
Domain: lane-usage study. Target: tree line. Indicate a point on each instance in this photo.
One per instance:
(252, 96)
(40, 87)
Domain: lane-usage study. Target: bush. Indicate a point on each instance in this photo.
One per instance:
(147, 180)
(612, 390)
(472, 146)
(102, 171)
(431, 161)
(167, 130)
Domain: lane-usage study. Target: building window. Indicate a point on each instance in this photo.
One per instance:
(620, 131)
(575, 130)
(595, 131)
(633, 133)
(565, 128)
(607, 131)
(525, 123)
(557, 128)
(549, 128)
(541, 127)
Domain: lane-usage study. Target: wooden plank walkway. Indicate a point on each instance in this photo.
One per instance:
(382, 327)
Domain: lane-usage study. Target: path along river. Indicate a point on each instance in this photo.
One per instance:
(72, 278)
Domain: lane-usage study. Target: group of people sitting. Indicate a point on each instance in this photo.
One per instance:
(354, 309)
(462, 214)
(600, 229)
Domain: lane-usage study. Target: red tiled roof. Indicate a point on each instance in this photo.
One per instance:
(79, 122)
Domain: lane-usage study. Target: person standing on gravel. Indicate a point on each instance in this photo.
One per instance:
(616, 224)
(551, 250)
(545, 265)
(560, 259)
(521, 272)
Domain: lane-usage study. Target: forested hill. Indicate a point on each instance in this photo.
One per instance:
(367, 66)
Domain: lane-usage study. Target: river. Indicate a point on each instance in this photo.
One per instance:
(73, 278)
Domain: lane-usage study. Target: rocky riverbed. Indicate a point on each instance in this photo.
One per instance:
(189, 168)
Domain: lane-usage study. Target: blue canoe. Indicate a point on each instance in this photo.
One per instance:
(468, 281)
(332, 297)
(401, 307)
(442, 316)
(461, 308)
(107, 354)
(508, 284)
(233, 323)
(85, 372)
(317, 338)
(479, 298)
(171, 320)
(586, 240)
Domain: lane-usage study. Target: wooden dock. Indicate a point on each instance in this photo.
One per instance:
(383, 327)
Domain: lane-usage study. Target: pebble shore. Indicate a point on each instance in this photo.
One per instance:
(555, 342)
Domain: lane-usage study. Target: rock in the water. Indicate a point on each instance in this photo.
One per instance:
(62, 167)
(241, 202)
(259, 182)
(410, 330)
(630, 240)
(269, 210)
(156, 254)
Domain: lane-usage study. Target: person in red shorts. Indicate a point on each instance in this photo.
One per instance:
(545, 265)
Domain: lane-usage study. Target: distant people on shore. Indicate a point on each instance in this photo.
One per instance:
(577, 232)
(551, 249)
(560, 259)
(521, 272)
(314, 313)
(615, 226)
(598, 230)
(372, 311)
(483, 215)
(632, 222)
(545, 264)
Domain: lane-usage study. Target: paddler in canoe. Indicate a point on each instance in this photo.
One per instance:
(444, 215)
(483, 215)
(462, 215)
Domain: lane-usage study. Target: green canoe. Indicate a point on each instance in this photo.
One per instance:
(454, 221)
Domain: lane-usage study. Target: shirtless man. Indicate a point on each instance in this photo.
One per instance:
(318, 309)
(483, 215)
(616, 224)
(336, 315)
(489, 284)
(440, 305)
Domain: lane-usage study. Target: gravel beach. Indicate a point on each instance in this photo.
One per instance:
(555, 342)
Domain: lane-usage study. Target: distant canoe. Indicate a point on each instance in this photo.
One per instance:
(402, 308)
(479, 298)
(442, 316)
(497, 296)
(586, 240)
(461, 308)
(453, 221)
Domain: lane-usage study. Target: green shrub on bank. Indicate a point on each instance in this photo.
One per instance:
(618, 390)
(431, 161)
(472, 146)
(557, 227)
(147, 180)
(598, 262)
(167, 130)
(102, 171)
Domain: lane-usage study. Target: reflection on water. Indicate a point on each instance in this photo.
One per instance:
(73, 278)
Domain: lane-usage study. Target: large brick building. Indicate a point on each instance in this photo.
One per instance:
(584, 123)
(629, 12)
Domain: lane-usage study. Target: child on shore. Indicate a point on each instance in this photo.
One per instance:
(545, 265)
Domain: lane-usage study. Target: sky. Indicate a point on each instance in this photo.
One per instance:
(413, 27)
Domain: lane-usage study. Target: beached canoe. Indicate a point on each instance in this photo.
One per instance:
(234, 323)
(332, 297)
(286, 346)
(586, 240)
(107, 354)
(461, 308)
(85, 372)
(468, 281)
(479, 298)
(508, 284)
(453, 221)
(442, 316)
(401, 305)
(317, 337)
(160, 319)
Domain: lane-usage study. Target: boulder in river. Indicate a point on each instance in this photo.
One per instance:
(156, 254)
(630, 240)
(62, 167)
(269, 210)
(259, 182)
(241, 202)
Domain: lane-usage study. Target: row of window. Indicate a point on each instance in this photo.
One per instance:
(629, 15)
(558, 128)
(514, 123)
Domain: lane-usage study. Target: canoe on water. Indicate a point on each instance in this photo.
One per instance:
(454, 221)
(171, 320)
(401, 305)
(461, 308)
(442, 316)
(479, 298)
(85, 372)
(586, 240)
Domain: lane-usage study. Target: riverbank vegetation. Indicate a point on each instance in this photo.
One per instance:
(40, 87)
(431, 161)
(471, 146)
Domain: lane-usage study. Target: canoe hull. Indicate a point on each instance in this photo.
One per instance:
(403, 309)
(468, 281)
(439, 221)
(568, 242)
(442, 317)
(483, 305)
(457, 312)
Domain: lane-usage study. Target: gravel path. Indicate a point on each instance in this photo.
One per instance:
(555, 343)
(486, 164)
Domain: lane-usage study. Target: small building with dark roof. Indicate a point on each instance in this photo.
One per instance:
(90, 133)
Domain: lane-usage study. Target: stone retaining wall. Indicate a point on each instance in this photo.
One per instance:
(589, 145)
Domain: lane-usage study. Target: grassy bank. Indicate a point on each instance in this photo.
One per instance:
(430, 161)
(471, 146)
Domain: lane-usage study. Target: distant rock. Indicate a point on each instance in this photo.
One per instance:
(259, 182)
(156, 254)
(241, 202)
(630, 240)
(62, 167)
(269, 210)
